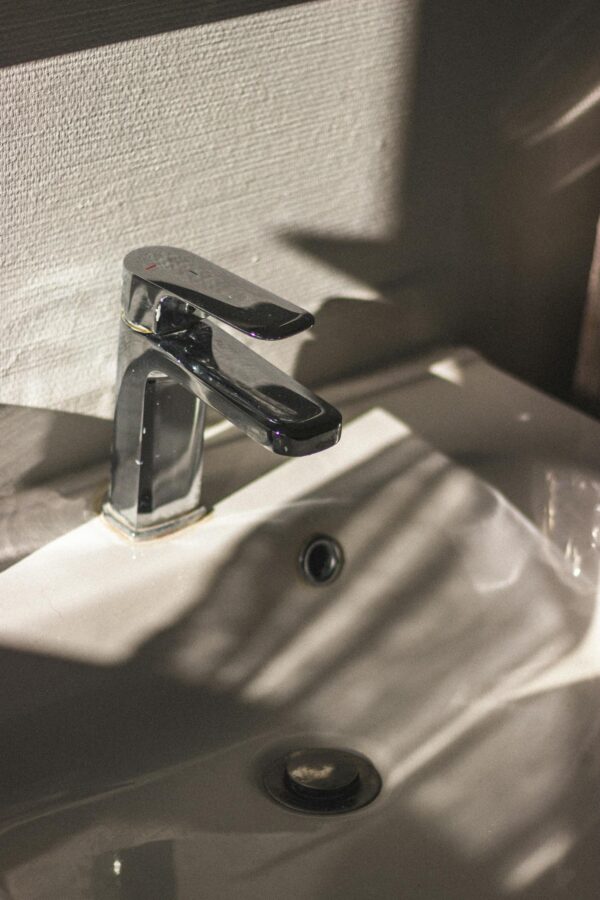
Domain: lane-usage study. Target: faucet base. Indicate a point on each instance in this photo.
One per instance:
(148, 532)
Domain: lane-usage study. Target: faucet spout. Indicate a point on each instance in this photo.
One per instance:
(174, 359)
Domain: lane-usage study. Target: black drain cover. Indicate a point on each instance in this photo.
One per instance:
(323, 780)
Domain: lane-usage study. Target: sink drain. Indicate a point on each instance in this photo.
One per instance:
(323, 780)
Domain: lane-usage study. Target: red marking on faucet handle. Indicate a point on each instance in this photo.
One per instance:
(151, 266)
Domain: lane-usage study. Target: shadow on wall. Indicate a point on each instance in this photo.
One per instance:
(38, 30)
(496, 195)
(352, 336)
(53, 471)
(496, 199)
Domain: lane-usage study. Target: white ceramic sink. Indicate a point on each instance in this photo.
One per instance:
(146, 688)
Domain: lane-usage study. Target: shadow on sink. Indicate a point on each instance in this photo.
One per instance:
(428, 653)
(56, 471)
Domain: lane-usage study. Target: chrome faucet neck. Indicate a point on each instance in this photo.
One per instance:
(174, 358)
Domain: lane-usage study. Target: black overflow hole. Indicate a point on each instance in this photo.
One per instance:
(321, 560)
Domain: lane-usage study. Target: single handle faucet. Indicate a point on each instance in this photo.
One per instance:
(174, 358)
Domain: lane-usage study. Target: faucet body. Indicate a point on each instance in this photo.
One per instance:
(174, 358)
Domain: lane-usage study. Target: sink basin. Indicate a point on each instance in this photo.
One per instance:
(147, 688)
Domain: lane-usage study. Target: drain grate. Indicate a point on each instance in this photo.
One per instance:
(323, 780)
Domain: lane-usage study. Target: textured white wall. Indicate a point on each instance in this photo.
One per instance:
(219, 138)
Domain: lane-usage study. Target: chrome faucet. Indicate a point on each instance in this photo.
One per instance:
(173, 360)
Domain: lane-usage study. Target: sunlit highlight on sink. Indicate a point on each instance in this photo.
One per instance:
(457, 649)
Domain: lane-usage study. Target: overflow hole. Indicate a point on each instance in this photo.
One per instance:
(321, 560)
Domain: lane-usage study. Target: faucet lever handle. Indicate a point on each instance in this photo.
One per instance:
(165, 290)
